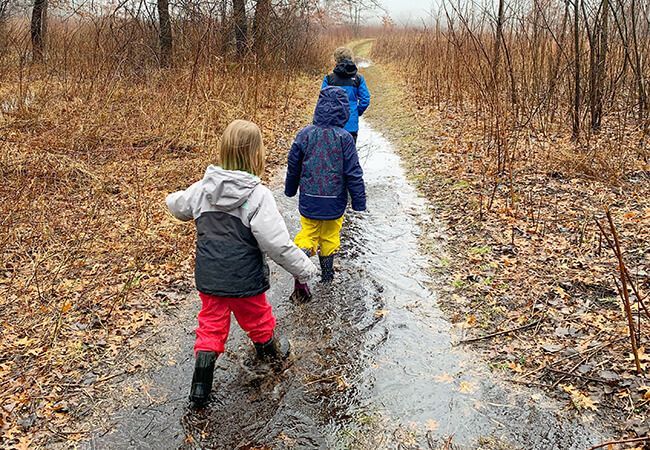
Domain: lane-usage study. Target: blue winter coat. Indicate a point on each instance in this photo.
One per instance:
(323, 162)
(345, 76)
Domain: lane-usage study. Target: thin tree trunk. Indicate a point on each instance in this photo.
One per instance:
(225, 28)
(498, 39)
(601, 61)
(576, 79)
(556, 66)
(241, 25)
(38, 13)
(592, 37)
(638, 64)
(4, 7)
(165, 33)
(261, 26)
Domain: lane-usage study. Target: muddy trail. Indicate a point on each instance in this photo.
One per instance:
(373, 358)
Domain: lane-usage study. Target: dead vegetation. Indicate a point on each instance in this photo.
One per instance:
(529, 144)
(91, 141)
(520, 179)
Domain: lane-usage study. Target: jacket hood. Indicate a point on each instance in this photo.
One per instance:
(333, 108)
(227, 189)
(346, 69)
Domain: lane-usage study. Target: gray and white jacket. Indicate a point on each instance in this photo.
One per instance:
(237, 222)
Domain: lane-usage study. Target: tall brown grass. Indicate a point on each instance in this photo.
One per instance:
(520, 88)
(91, 142)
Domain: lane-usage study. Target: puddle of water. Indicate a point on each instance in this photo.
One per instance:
(363, 63)
(373, 362)
(419, 387)
(296, 408)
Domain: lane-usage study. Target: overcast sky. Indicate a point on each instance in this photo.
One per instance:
(408, 10)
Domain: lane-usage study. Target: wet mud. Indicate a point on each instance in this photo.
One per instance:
(373, 361)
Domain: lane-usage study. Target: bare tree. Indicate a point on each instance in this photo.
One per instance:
(633, 57)
(261, 25)
(4, 32)
(598, 59)
(241, 25)
(637, 62)
(37, 29)
(4, 11)
(498, 39)
(576, 68)
(353, 11)
(165, 33)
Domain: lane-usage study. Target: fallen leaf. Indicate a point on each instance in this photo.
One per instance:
(466, 387)
(432, 425)
(552, 348)
(580, 401)
(561, 293)
(609, 375)
(381, 313)
(66, 307)
(443, 378)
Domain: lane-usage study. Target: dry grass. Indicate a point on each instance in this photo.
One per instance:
(87, 156)
(517, 118)
(523, 244)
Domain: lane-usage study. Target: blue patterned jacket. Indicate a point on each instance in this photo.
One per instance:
(323, 162)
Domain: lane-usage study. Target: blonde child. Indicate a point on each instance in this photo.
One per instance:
(237, 223)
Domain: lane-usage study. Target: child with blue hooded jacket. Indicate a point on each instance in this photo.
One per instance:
(345, 76)
(323, 163)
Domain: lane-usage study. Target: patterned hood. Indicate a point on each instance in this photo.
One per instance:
(333, 108)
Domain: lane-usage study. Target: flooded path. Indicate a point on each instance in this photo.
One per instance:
(373, 362)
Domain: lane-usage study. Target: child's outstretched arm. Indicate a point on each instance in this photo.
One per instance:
(294, 169)
(180, 203)
(272, 236)
(354, 175)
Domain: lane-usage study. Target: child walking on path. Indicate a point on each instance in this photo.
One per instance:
(324, 164)
(237, 223)
(345, 76)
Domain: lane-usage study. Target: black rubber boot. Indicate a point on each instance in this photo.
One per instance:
(301, 292)
(327, 268)
(202, 378)
(274, 350)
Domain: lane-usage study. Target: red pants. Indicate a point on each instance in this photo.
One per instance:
(253, 314)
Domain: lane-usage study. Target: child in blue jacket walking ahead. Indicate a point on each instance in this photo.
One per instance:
(324, 164)
(345, 76)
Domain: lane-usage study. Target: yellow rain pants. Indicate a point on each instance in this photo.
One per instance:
(323, 234)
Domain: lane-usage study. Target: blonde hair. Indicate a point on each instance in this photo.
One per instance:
(242, 148)
(342, 53)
